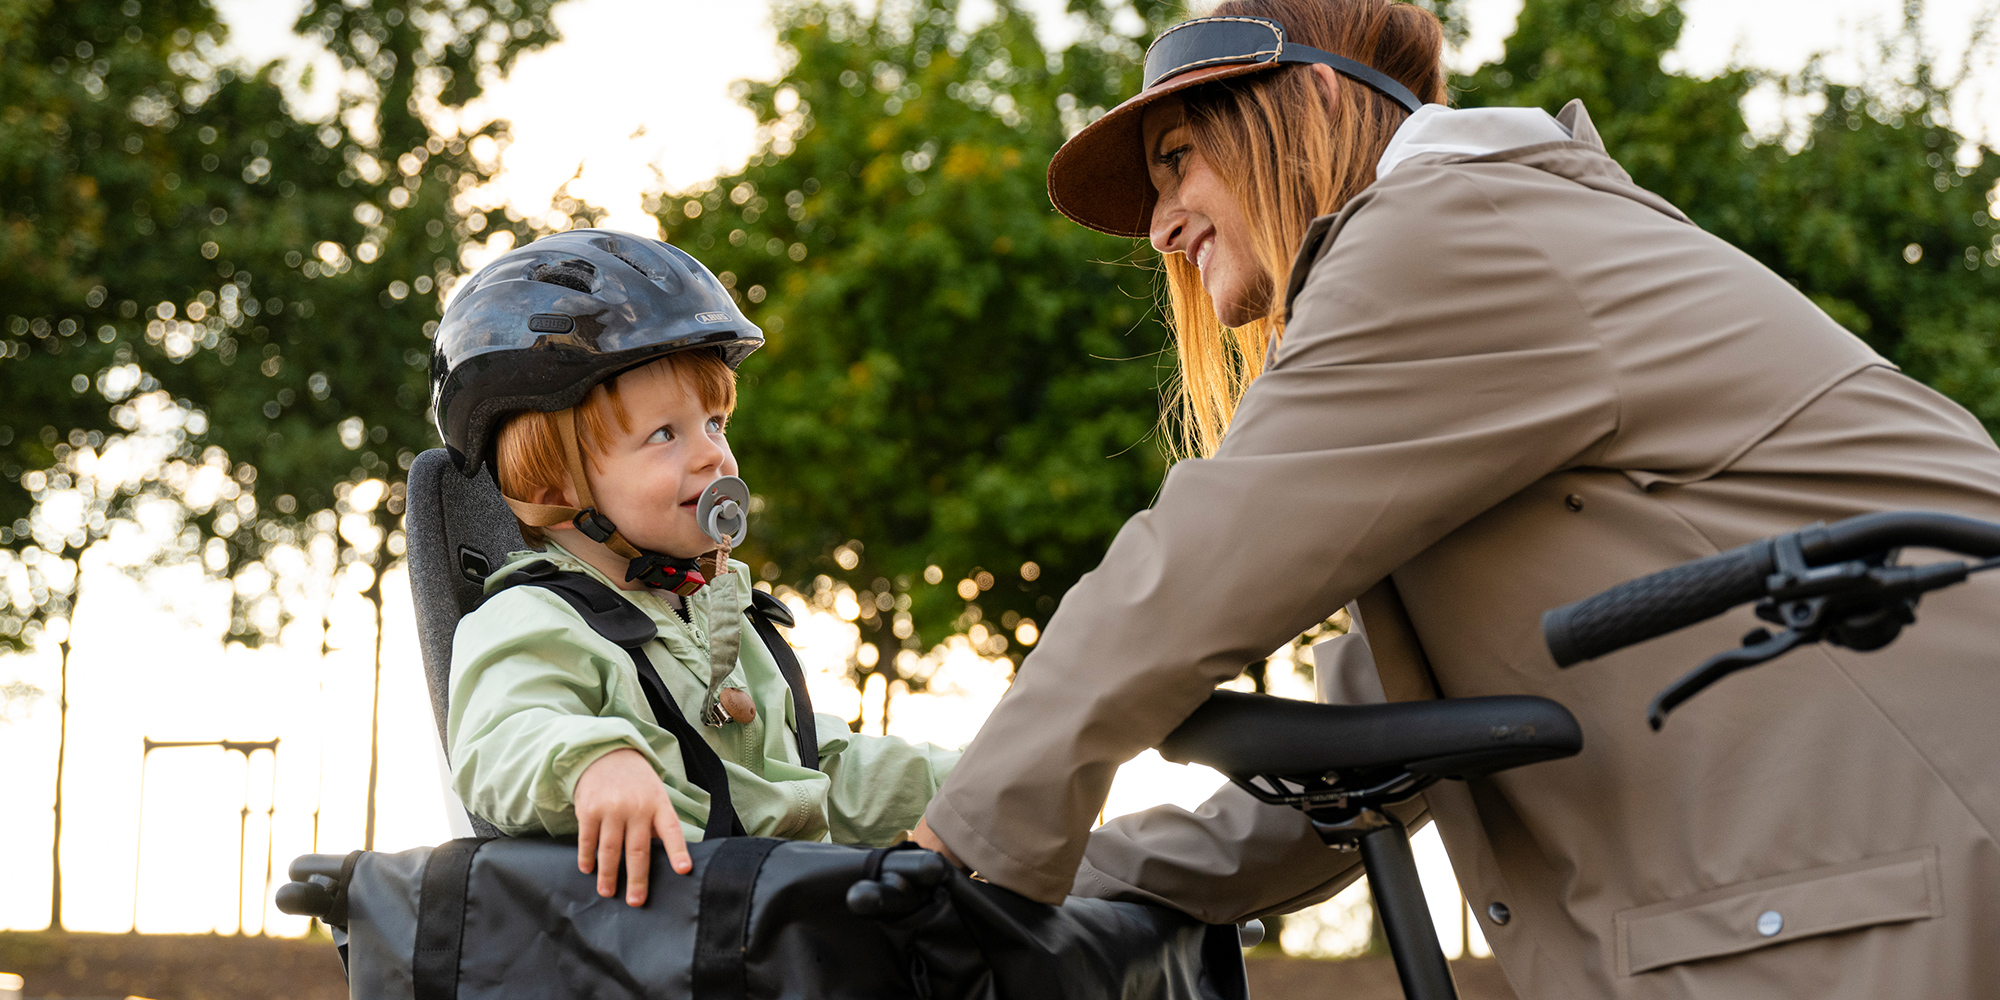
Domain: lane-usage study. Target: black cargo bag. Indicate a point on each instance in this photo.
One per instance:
(487, 919)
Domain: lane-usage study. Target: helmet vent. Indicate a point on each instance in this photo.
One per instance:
(636, 256)
(573, 273)
(635, 264)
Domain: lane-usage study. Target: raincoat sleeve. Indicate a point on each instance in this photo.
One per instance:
(1435, 363)
(878, 785)
(530, 711)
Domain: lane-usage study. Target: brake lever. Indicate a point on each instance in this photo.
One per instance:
(1758, 647)
(1860, 604)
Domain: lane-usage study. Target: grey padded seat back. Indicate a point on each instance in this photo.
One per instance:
(457, 531)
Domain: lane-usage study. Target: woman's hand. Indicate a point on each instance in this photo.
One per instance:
(621, 804)
(929, 841)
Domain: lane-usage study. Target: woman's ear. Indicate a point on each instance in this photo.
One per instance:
(1329, 81)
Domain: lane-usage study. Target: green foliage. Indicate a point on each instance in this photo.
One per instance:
(956, 376)
(1869, 212)
(170, 227)
(938, 384)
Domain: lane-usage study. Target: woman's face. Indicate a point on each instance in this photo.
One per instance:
(1197, 216)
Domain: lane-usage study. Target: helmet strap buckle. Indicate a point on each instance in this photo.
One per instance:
(595, 526)
(664, 572)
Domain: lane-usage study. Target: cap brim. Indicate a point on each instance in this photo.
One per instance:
(1099, 179)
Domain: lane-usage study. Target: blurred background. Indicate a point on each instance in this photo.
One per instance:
(230, 227)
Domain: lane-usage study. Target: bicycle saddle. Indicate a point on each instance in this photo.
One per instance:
(1253, 734)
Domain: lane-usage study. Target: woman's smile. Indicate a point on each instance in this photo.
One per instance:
(1204, 246)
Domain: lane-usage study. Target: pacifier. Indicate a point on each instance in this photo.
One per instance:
(723, 511)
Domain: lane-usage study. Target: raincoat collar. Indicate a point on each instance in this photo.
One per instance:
(1566, 144)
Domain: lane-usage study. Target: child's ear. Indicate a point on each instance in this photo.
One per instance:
(552, 497)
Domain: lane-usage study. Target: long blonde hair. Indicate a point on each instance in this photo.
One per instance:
(1289, 155)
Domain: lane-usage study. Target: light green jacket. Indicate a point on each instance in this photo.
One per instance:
(537, 697)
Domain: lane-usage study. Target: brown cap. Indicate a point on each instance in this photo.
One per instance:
(1098, 178)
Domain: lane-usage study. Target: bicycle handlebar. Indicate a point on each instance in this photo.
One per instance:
(1696, 591)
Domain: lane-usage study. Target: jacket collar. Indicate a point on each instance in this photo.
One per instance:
(652, 602)
(1566, 144)
(1469, 132)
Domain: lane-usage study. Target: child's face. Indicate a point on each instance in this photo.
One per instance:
(647, 479)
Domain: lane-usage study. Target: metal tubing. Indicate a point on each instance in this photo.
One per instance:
(1406, 915)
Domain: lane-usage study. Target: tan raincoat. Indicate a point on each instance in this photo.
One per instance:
(1509, 381)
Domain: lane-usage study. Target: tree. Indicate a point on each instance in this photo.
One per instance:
(170, 227)
(172, 233)
(960, 383)
(956, 407)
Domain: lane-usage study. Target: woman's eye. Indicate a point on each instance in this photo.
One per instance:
(1172, 158)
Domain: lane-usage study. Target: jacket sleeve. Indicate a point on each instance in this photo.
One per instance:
(1434, 364)
(878, 785)
(1230, 860)
(528, 714)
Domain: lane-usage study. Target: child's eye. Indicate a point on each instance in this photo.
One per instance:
(715, 425)
(661, 436)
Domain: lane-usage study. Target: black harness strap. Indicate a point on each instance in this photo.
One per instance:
(618, 620)
(723, 928)
(441, 919)
(767, 613)
(703, 764)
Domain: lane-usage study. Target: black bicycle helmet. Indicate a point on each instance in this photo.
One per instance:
(540, 325)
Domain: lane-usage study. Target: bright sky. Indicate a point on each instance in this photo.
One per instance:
(634, 98)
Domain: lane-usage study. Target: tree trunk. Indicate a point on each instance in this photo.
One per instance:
(374, 596)
(62, 747)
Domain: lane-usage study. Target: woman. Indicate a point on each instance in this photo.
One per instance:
(1453, 365)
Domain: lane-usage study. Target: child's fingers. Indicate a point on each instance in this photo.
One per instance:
(586, 840)
(610, 840)
(638, 859)
(668, 825)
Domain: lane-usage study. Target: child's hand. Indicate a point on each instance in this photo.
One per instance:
(620, 806)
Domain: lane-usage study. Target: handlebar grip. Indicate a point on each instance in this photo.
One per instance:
(1654, 605)
(305, 899)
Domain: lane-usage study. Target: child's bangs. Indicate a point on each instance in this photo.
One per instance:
(702, 372)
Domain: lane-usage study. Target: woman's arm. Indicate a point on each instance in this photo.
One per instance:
(1428, 372)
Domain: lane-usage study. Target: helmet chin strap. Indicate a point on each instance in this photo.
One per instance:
(654, 569)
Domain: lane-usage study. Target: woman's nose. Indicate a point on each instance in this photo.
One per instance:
(1169, 224)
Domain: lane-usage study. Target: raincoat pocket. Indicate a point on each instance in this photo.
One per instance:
(1890, 888)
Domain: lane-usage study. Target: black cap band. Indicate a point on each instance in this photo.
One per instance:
(1222, 41)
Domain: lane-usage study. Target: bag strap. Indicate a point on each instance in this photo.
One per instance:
(441, 919)
(336, 912)
(767, 613)
(722, 930)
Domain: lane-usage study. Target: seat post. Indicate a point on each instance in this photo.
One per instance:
(1406, 916)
